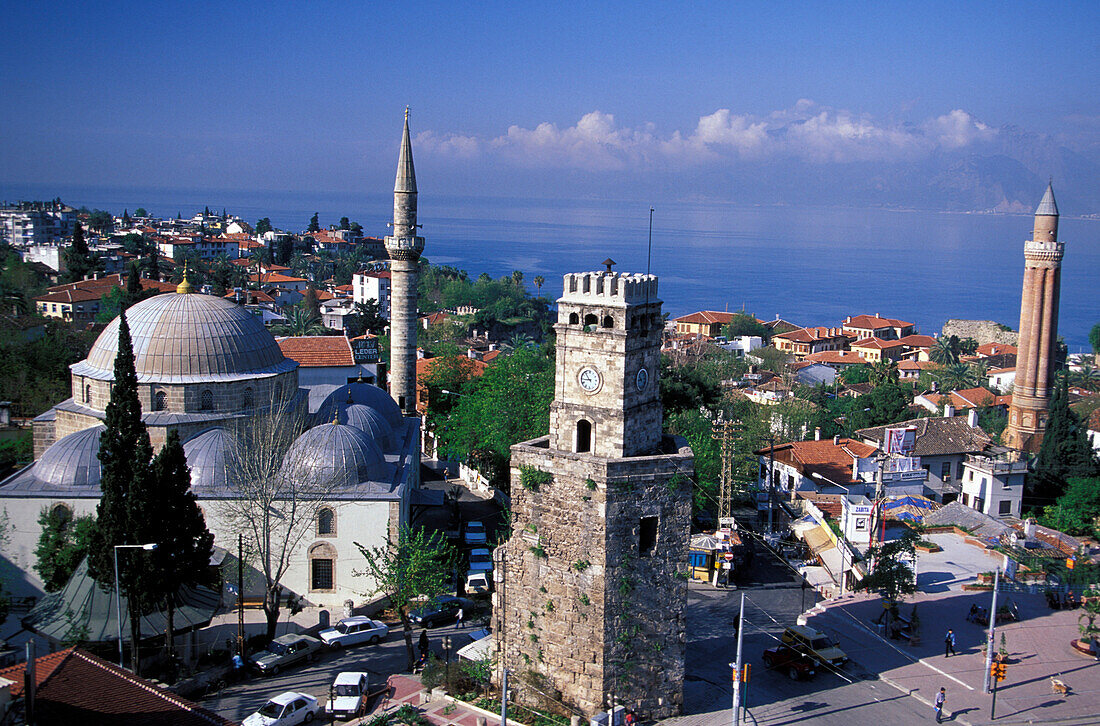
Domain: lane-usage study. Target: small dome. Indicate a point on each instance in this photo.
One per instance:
(335, 455)
(370, 422)
(189, 339)
(71, 461)
(207, 455)
(363, 394)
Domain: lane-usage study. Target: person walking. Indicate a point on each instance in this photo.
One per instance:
(941, 697)
(458, 620)
(425, 644)
(949, 643)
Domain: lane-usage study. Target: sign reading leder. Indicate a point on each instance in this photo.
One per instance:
(365, 350)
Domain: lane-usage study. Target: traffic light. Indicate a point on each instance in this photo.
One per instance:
(998, 671)
(748, 670)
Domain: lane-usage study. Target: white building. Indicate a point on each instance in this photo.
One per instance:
(50, 255)
(993, 482)
(740, 345)
(372, 286)
(1001, 379)
(36, 223)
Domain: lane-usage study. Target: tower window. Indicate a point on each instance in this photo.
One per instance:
(608, 321)
(206, 400)
(591, 319)
(647, 536)
(574, 319)
(584, 436)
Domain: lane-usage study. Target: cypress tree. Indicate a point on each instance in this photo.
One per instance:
(80, 246)
(124, 455)
(312, 304)
(78, 256)
(1065, 451)
(133, 287)
(314, 225)
(182, 557)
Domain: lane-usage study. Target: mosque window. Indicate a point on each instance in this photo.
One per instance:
(608, 321)
(62, 515)
(206, 400)
(591, 319)
(584, 436)
(322, 567)
(88, 393)
(160, 401)
(326, 522)
(247, 398)
(574, 319)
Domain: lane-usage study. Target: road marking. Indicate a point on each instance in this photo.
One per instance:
(942, 673)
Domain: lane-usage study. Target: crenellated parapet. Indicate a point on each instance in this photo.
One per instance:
(609, 288)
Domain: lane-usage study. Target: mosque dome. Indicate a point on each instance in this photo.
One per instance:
(370, 422)
(189, 338)
(207, 455)
(335, 455)
(71, 461)
(364, 394)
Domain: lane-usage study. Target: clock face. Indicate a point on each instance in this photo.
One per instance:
(590, 379)
(642, 379)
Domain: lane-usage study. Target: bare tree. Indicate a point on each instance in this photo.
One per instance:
(275, 493)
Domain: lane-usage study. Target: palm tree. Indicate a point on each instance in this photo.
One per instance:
(517, 278)
(968, 346)
(300, 264)
(956, 376)
(945, 351)
(299, 323)
(1087, 377)
(883, 371)
(519, 340)
(539, 282)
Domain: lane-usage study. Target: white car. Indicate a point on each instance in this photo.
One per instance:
(477, 583)
(353, 631)
(349, 695)
(475, 533)
(286, 709)
(481, 560)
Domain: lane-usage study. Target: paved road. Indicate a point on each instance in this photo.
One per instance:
(773, 600)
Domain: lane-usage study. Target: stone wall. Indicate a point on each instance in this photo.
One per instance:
(983, 331)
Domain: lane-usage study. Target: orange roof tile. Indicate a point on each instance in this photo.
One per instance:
(317, 351)
(706, 317)
(988, 349)
(918, 341)
(275, 277)
(873, 322)
(847, 357)
(807, 335)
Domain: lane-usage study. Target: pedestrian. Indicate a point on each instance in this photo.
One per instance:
(941, 697)
(458, 620)
(949, 643)
(425, 644)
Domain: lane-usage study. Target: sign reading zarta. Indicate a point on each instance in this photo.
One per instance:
(365, 350)
(900, 441)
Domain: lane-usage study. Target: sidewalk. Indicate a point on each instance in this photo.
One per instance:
(444, 711)
(1039, 647)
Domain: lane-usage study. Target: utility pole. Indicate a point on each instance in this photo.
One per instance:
(504, 699)
(771, 479)
(992, 631)
(240, 596)
(737, 665)
(721, 431)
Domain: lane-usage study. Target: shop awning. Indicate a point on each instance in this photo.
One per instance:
(816, 576)
(818, 539)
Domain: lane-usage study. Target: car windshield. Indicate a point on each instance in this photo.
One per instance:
(277, 648)
(342, 628)
(821, 644)
(475, 526)
(347, 690)
(271, 710)
(480, 558)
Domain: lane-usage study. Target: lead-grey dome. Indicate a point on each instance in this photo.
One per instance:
(208, 455)
(189, 338)
(334, 455)
(370, 422)
(71, 461)
(363, 394)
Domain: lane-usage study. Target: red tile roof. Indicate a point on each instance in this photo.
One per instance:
(832, 461)
(73, 686)
(275, 277)
(317, 351)
(988, 349)
(873, 322)
(972, 397)
(918, 341)
(70, 296)
(383, 275)
(706, 317)
(877, 344)
(807, 335)
(433, 318)
(917, 365)
(846, 357)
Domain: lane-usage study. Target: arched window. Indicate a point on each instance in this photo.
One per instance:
(608, 321)
(206, 400)
(322, 567)
(326, 522)
(584, 436)
(160, 401)
(63, 516)
(246, 401)
(591, 319)
(88, 393)
(574, 319)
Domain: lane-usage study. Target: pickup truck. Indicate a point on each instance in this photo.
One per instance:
(796, 665)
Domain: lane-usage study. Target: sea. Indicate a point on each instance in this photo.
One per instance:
(808, 265)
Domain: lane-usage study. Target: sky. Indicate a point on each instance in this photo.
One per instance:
(531, 97)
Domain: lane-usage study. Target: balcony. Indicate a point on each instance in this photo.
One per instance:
(997, 466)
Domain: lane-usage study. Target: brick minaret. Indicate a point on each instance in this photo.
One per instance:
(404, 248)
(592, 592)
(1027, 417)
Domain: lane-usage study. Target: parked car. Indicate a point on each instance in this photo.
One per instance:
(481, 560)
(440, 610)
(286, 650)
(815, 644)
(477, 582)
(354, 631)
(475, 533)
(348, 695)
(797, 665)
(286, 709)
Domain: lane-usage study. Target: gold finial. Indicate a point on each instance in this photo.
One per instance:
(406, 113)
(336, 416)
(184, 287)
(360, 379)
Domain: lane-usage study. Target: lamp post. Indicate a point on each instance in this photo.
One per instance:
(447, 650)
(843, 539)
(118, 593)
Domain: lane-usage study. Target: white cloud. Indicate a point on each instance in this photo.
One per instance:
(806, 131)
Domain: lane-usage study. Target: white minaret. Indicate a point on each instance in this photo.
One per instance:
(404, 248)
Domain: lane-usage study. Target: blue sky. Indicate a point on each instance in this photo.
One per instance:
(291, 96)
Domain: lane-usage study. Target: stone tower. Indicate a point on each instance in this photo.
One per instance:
(592, 586)
(404, 248)
(1027, 416)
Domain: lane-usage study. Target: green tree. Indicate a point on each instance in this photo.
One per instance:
(314, 225)
(356, 229)
(517, 278)
(368, 317)
(263, 225)
(345, 223)
(63, 544)
(134, 291)
(418, 566)
(539, 281)
(891, 575)
(126, 493)
(1064, 453)
(101, 221)
(184, 545)
(299, 323)
(140, 212)
(78, 258)
(311, 304)
(956, 376)
(885, 404)
(856, 374)
(1076, 512)
(686, 387)
(968, 346)
(884, 371)
(946, 350)
(743, 324)
(111, 303)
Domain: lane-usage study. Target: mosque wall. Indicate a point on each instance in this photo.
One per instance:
(17, 558)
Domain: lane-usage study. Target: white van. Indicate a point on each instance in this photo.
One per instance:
(477, 582)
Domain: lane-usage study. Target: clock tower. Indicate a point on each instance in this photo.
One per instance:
(592, 585)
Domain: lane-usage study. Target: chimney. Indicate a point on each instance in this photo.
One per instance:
(817, 433)
(836, 440)
(948, 411)
(935, 386)
(972, 418)
(1029, 527)
(471, 354)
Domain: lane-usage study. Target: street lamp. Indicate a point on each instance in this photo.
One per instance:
(118, 593)
(843, 543)
(447, 649)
